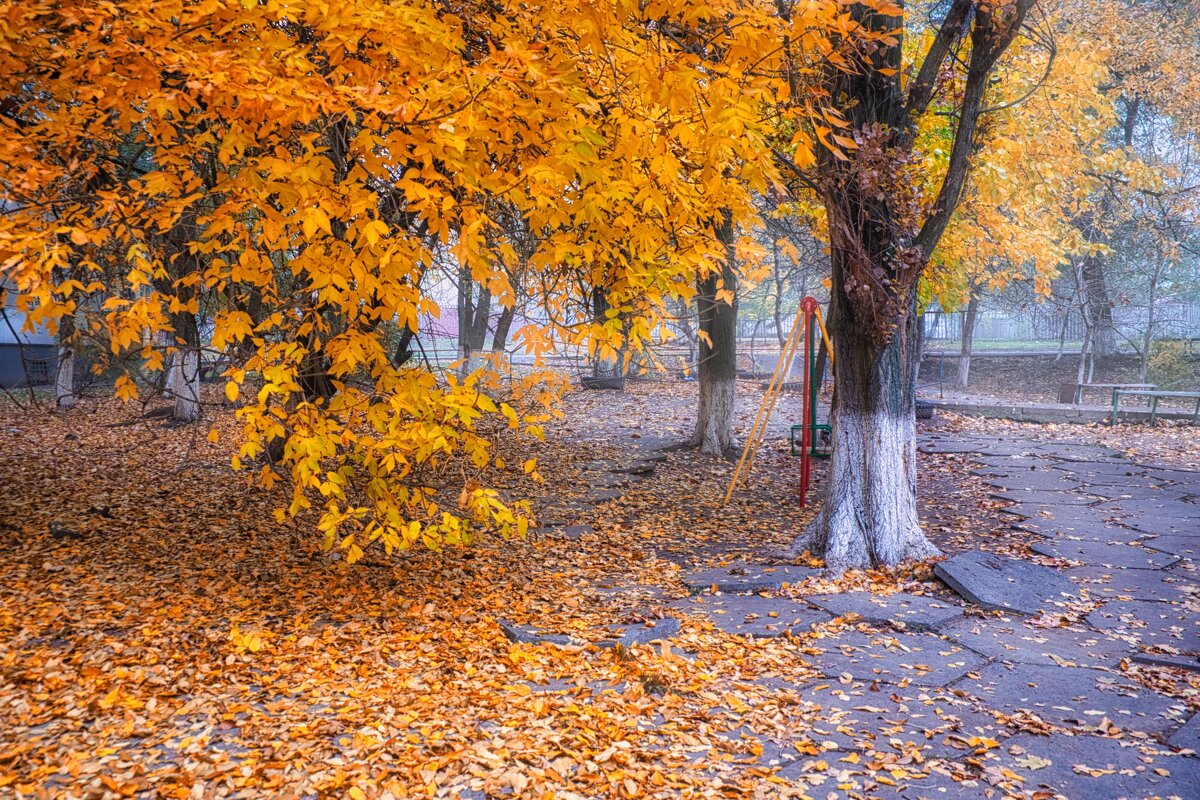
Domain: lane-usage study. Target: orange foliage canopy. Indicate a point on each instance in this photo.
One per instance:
(290, 170)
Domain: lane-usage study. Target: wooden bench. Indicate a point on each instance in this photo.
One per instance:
(1154, 396)
(1076, 389)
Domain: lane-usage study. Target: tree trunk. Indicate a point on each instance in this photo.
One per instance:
(605, 366)
(185, 370)
(1062, 336)
(1100, 307)
(1148, 340)
(869, 517)
(472, 321)
(869, 514)
(968, 342)
(503, 326)
(778, 309)
(718, 352)
(689, 335)
(64, 379)
(1081, 370)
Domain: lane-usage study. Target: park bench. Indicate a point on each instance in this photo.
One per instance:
(1154, 396)
(1073, 392)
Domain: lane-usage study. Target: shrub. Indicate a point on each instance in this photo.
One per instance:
(1171, 366)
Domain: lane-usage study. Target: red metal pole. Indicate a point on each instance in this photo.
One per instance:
(809, 306)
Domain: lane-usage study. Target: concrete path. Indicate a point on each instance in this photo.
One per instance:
(974, 704)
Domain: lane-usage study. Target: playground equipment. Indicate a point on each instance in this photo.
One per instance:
(808, 321)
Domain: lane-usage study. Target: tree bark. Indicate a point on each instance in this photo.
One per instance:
(869, 515)
(473, 315)
(685, 326)
(1148, 339)
(185, 370)
(718, 352)
(968, 342)
(64, 378)
(503, 325)
(1100, 307)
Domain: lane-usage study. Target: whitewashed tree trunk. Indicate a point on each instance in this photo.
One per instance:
(185, 378)
(868, 517)
(64, 380)
(714, 417)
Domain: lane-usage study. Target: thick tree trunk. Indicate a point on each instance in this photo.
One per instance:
(64, 379)
(187, 386)
(718, 353)
(185, 370)
(1100, 307)
(869, 515)
(968, 342)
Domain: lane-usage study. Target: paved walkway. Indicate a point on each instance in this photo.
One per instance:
(945, 690)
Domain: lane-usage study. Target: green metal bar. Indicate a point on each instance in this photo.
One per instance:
(1116, 399)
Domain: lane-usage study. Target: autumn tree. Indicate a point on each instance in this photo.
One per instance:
(883, 231)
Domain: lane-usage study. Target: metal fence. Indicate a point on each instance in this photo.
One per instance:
(1046, 323)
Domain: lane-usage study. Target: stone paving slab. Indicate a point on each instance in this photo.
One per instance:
(1079, 529)
(1047, 498)
(527, 634)
(746, 578)
(1085, 453)
(1103, 554)
(570, 532)
(1160, 525)
(1015, 462)
(1035, 481)
(1142, 494)
(920, 659)
(1188, 737)
(1013, 640)
(1182, 546)
(1074, 697)
(1094, 768)
(916, 612)
(1004, 584)
(631, 634)
(1150, 623)
(969, 446)
(751, 615)
(1189, 663)
(1134, 584)
(1123, 470)
(935, 723)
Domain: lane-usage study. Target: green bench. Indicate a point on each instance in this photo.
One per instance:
(1154, 396)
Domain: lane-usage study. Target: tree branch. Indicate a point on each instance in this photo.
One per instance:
(920, 91)
(993, 31)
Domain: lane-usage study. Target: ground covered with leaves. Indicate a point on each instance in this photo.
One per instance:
(161, 635)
